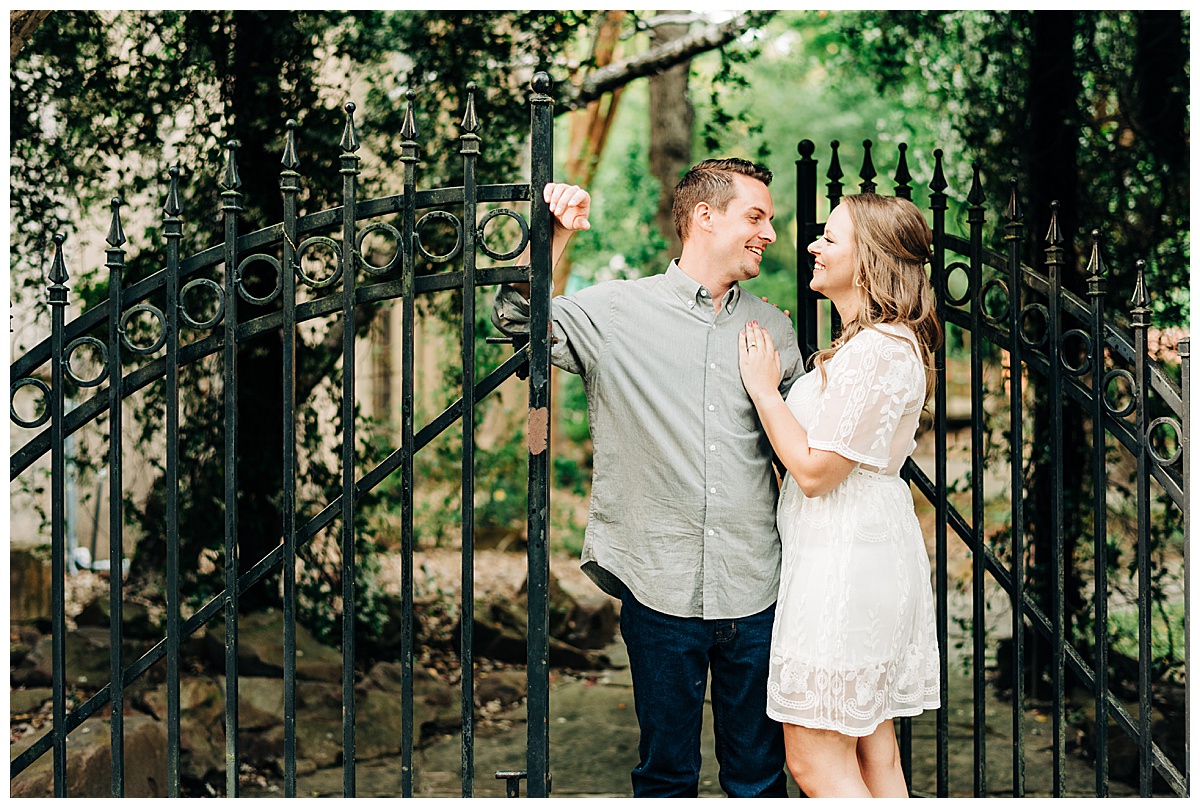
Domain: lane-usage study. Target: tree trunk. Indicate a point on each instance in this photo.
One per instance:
(671, 118)
(1053, 176)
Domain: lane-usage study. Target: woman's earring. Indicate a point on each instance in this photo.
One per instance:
(858, 282)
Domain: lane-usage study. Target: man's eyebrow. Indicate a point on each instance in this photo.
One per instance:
(756, 208)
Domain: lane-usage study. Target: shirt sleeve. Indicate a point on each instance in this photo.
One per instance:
(870, 383)
(580, 324)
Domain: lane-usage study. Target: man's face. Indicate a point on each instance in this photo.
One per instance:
(742, 231)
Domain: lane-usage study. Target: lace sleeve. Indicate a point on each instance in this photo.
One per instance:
(872, 380)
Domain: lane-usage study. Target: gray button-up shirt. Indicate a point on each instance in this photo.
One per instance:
(683, 493)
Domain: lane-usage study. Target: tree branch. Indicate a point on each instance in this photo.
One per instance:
(657, 59)
(21, 25)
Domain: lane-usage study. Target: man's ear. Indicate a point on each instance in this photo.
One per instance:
(702, 216)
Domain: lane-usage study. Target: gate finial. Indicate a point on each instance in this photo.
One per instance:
(903, 177)
(975, 197)
(1140, 300)
(938, 184)
(868, 170)
(835, 165)
(58, 270)
(1095, 268)
(408, 129)
(172, 207)
(290, 161)
(230, 180)
(116, 236)
(470, 123)
(1054, 237)
(349, 135)
(542, 83)
(1013, 213)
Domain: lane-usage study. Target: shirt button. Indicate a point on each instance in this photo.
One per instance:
(703, 293)
(711, 407)
(711, 532)
(712, 490)
(712, 448)
(691, 303)
(712, 364)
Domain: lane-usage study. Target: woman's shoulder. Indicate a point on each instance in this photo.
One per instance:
(894, 340)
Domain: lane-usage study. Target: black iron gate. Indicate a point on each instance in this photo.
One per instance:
(1023, 319)
(183, 279)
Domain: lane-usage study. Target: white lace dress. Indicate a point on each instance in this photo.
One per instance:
(854, 641)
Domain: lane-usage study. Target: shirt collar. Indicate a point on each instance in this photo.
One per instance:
(688, 289)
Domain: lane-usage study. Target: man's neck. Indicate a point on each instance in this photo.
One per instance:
(701, 273)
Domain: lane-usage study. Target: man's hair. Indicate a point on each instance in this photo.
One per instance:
(711, 181)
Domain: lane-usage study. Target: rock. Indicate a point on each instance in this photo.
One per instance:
(23, 701)
(260, 649)
(507, 687)
(260, 702)
(86, 657)
(201, 724)
(89, 761)
(135, 618)
(500, 634)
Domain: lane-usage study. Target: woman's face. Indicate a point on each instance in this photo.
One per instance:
(833, 271)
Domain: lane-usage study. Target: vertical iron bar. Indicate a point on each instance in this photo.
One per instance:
(937, 268)
(1013, 236)
(470, 152)
(289, 186)
(349, 172)
(1097, 284)
(57, 296)
(975, 200)
(1054, 263)
(409, 156)
(538, 436)
(231, 206)
(173, 232)
(835, 197)
(806, 223)
(1141, 325)
(116, 530)
(1185, 359)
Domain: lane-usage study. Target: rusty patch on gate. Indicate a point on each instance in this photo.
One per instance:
(538, 430)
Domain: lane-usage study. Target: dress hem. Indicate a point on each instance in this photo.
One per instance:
(905, 713)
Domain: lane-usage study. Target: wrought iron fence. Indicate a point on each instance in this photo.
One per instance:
(362, 283)
(1023, 319)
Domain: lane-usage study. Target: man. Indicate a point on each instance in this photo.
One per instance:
(682, 520)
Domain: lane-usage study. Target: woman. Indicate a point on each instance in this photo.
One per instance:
(854, 643)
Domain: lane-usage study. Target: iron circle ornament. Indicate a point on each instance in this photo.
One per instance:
(216, 318)
(986, 295)
(1022, 331)
(377, 227)
(1174, 456)
(241, 286)
(521, 245)
(1083, 366)
(950, 270)
(1108, 405)
(323, 241)
(156, 314)
(12, 405)
(458, 235)
(79, 343)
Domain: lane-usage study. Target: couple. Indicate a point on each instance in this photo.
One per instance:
(693, 388)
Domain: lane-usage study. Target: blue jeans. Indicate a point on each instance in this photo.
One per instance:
(669, 658)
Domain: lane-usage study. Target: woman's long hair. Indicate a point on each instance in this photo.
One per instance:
(892, 244)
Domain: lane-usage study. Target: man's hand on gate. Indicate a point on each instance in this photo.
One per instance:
(569, 205)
